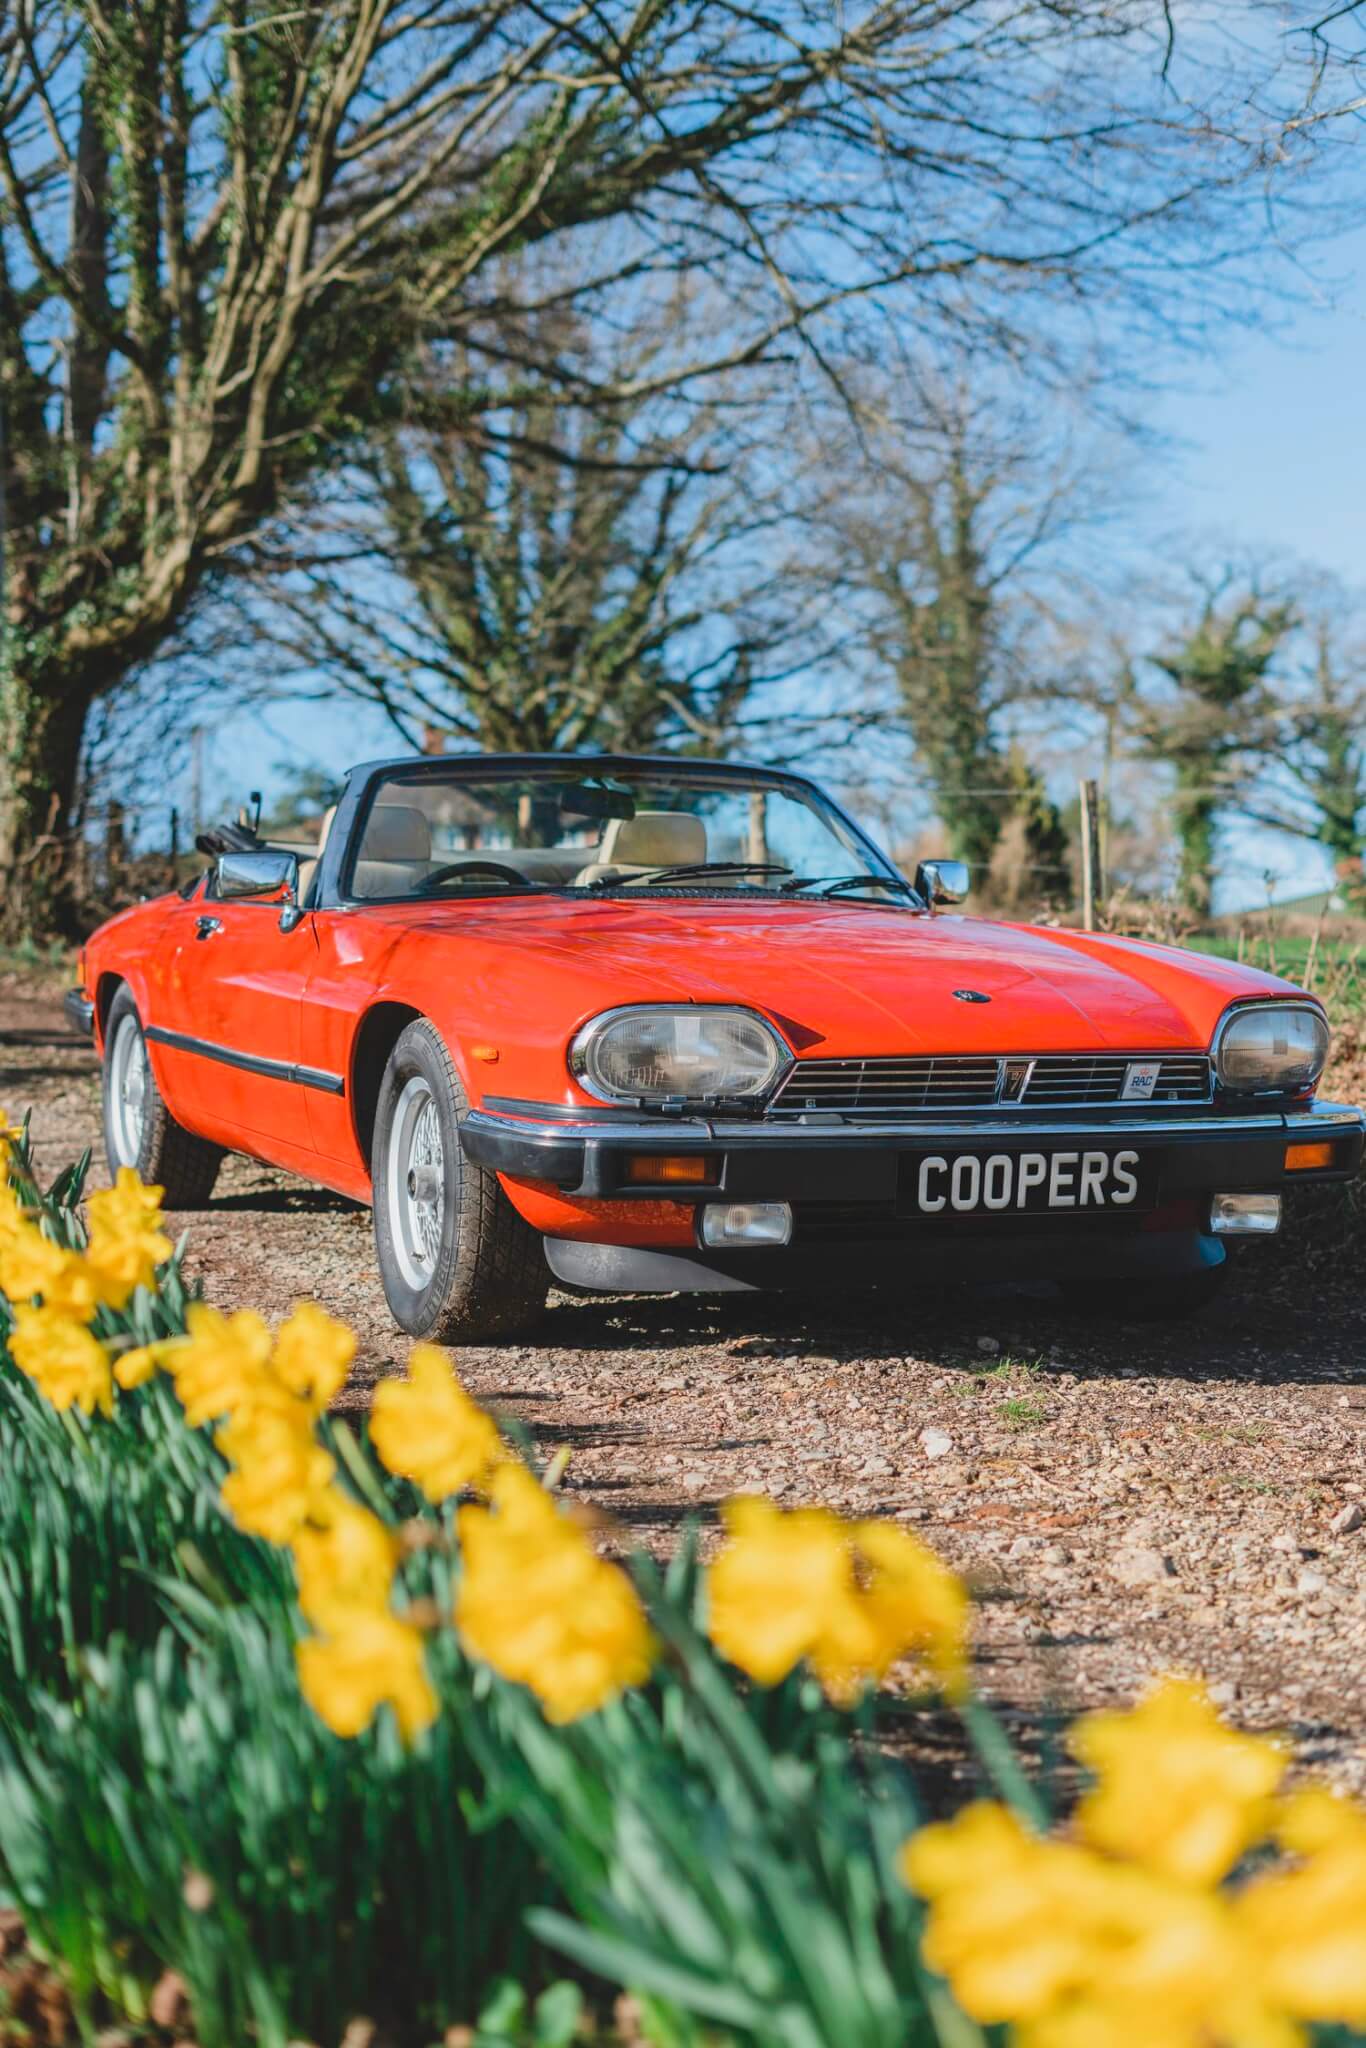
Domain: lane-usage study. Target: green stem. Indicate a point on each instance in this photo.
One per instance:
(75, 1432)
(359, 1470)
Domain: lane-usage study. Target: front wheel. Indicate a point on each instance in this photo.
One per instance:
(456, 1260)
(139, 1130)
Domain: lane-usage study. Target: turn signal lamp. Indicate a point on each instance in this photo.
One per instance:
(657, 1169)
(1304, 1158)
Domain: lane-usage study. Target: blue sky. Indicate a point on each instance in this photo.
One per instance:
(1266, 446)
(1271, 451)
(1274, 434)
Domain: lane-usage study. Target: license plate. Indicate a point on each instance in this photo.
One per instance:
(1084, 1181)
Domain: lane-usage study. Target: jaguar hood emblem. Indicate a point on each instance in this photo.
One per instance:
(970, 995)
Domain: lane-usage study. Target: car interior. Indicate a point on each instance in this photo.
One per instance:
(397, 855)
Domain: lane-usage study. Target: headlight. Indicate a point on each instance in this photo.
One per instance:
(1272, 1048)
(689, 1050)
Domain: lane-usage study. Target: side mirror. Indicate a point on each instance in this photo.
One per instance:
(269, 874)
(942, 881)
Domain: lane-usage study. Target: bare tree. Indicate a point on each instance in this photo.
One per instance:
(547, 573)
(223, 223)
(952, 557)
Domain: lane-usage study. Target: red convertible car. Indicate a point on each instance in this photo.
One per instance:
(654, 1024)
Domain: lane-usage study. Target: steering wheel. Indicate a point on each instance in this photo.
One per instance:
(492, 868)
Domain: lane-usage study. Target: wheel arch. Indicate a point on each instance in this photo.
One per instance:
(108, 983)
(106, 988)
(379, 1031)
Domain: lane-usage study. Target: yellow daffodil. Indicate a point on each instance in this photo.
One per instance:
(1080, 1951)
(426, 1428)
(313, 1355)
(344, 1560)
(132, 1204)
(280, 1470)
(1139, 1940)
(223, 1365)
(1308, 1922)
(1012, 1928)
(850, 1598)
(777, 1586)
(32, 1265)
(135, 1367)
(69, 1366)
(1175, 1789)
(538, 1604)
(914, 1602)
(127, 1243)
(376, 1660)
(10, 1134)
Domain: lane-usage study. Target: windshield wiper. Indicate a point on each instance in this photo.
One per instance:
(840, 885)
(688, 871)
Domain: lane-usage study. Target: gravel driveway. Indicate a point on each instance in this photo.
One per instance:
(1123, 1499)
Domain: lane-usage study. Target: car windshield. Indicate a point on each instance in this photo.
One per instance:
(609, 831)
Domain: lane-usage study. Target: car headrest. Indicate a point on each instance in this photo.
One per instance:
(397, 832)
(654, 839)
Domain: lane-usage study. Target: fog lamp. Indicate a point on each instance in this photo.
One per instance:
(1244, 1215)
(743, 1223)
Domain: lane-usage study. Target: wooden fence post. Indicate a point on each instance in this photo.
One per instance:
(115, 851)
(1091, 884)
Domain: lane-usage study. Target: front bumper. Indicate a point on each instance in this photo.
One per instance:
(846, 1182)
(80, 1011)
(844, 1161)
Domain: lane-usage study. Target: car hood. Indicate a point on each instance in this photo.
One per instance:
(847, 979)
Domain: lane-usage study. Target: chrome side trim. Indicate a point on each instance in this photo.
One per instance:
(248, 1062)
(1315, 1115)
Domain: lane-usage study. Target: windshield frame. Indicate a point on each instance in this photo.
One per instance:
(331, 885)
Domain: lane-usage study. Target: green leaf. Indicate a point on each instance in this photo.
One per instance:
(503, 2012)
(558, 2011)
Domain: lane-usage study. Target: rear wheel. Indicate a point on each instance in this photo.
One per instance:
(1162, 1299)
(457, 1261)
(139, 1130)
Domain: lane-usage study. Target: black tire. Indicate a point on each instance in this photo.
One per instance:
(1163, 1299)
(163, 1151)
(464, 1268)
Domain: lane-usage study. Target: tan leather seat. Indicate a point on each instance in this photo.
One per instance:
(309, 868)
(652, 839)
(395, 852)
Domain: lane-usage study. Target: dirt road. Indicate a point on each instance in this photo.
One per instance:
(1124, 1499)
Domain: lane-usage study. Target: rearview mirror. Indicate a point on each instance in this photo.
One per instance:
(267, 873)
(942, 881)
(596, 802)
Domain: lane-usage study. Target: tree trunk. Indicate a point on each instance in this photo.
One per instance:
(40, 751)
(1196, 822)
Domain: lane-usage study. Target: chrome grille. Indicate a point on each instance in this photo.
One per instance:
(901, 1087)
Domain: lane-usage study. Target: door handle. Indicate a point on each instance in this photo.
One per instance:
(205, 927)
